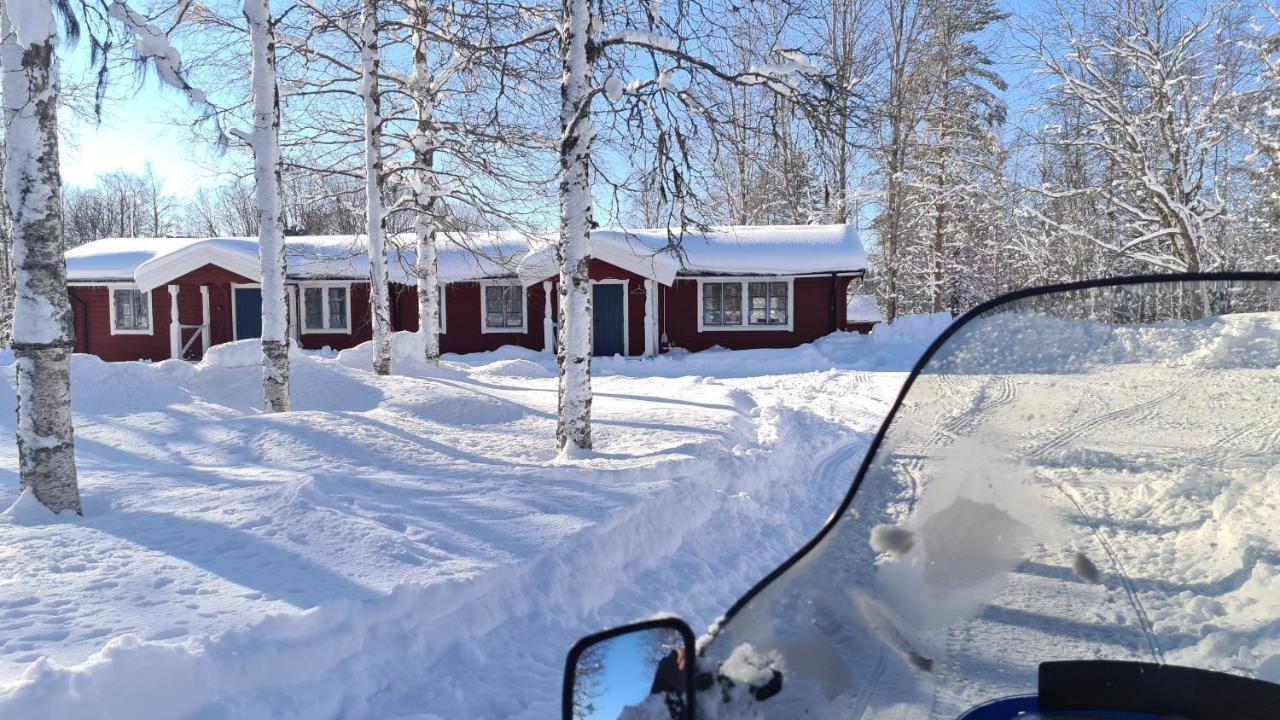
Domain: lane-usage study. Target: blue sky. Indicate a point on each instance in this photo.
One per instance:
(149, 127)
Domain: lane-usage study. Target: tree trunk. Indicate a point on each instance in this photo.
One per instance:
(375, 213)
(42, 329)
(269, 187)
(573, 429)
(425, 223)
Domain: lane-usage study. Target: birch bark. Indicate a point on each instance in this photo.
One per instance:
(375, 212)
(573, 429)
(42, 329)
(425, 186)
(269, 188)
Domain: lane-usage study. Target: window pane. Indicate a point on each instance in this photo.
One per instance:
(778, 303)
(129, 310)
(337, 308)
(313, 317)
(139, 309)
(123, 309)
(514, 305)
(711, 314)
(732, 304)
(757, 297)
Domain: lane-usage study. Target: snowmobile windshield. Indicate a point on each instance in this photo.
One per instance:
(1088, 474)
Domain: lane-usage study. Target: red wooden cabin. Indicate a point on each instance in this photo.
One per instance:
(732, 287)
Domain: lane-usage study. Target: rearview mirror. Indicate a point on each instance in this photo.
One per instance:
(642, 671)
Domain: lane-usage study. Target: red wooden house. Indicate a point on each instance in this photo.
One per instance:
(733, 287)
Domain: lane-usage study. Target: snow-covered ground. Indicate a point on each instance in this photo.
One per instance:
(1052, 490)
(409, 546)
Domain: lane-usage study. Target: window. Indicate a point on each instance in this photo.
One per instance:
(326, 308)
(130, 311)
(503, 308)
(745, 304)
(722, 303)
(768, 302)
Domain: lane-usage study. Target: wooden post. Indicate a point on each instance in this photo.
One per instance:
(175, 326)
(548, 320)
(205, 334)
(650, 318)
(295, 319)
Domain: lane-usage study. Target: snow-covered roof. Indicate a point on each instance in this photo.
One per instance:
(152, 262)
(863, 308)
(762, 250)
(663, 253)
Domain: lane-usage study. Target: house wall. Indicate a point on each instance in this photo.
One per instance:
(463, 319)
(811, 317)
(361, 323)
(677, 313)
(91, 308)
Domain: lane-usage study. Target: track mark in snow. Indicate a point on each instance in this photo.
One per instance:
(1139, 411)
(1144, 621)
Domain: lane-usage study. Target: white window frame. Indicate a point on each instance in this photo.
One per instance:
(111, 310)
(746, 325)
(324, 287)
(484, 308)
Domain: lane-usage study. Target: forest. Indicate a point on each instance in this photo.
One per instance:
(980, 147)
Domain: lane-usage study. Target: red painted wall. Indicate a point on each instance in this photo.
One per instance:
(91, 307)
(361, 327)
(811, 309)
(463, 317)
(677, 312)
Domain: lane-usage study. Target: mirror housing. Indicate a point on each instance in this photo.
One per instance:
(632, 671)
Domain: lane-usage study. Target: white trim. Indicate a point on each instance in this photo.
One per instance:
(160, 269)
(205, 336)
(324, 285)
(111, 309)
(444, 314)
(650, 317)
(484, 308)
(626, 311)
(295, 322)
(235, 329)
(746, 326)
(175, 325)
(548, 319)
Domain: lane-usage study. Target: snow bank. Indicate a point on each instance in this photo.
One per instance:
(243, 353)
(888, 348)
(1035, 343)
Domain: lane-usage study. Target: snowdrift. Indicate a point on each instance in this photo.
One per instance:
(405, 544)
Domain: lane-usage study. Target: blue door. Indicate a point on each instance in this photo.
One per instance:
(606, 320)
(248, 313)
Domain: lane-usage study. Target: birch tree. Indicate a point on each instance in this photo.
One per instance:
(42, 330)
(375, 213)
(264, 140)
(601, 49)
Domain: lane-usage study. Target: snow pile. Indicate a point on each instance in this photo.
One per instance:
(1032, 342)
(1243, 341)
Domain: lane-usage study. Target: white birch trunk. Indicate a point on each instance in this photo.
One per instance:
(267, 171)
(42, 329)
(573, 429)
(375, 213)
(424, 227)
